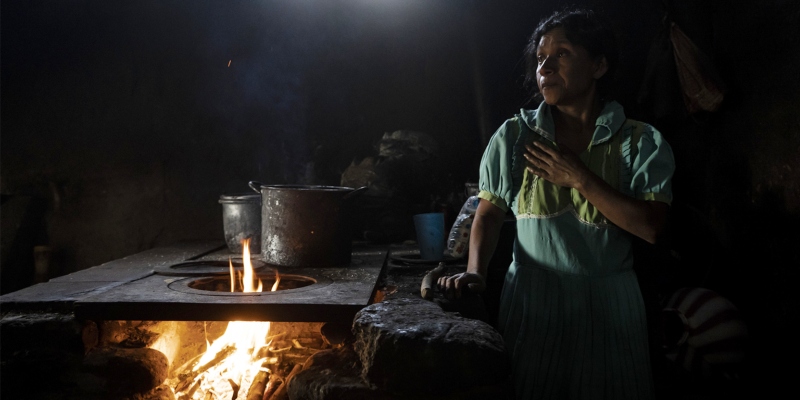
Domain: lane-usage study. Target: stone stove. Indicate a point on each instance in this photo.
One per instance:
(150, 286)
(102, 327)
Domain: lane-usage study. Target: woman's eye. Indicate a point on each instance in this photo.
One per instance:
(540, 59)
(562, 54)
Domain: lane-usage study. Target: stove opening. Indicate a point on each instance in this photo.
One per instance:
(205, 360)
(278, 282)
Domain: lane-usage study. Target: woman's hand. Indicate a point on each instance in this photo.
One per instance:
(482, 242)
(645, 219)
(452, 285)
(563, 168)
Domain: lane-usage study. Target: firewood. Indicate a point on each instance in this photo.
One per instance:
(275, 336)
(256, 391)
(188, 395)
(191, 376)
(281, 346)
(187, 366)
(429, 281)
(281, 393)
(186, 383)
(235, 388)
(272, 385)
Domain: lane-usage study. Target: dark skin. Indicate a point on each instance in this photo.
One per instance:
(567, 78)
(482, 242)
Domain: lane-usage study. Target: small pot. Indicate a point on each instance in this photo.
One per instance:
(241, 219)
(306, 225)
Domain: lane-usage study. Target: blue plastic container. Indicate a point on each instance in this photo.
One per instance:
(430, 235)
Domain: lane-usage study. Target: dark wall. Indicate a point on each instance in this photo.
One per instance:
(738, 179)
(123, 122)
(131, 118)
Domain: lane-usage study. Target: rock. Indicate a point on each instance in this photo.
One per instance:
(38, 330)
(39, 347)
(403, 143)
(133, 334)
(162, 392)
(409, 344)
(336, 333)
(128, 371)
(332, 374)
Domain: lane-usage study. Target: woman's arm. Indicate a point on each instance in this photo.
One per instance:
(645, 219)
(482, 242)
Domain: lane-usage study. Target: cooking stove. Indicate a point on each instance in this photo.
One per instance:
(179, 283)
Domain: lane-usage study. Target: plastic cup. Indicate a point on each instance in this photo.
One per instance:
(430, 235)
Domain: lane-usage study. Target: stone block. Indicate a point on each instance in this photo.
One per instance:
(412, 345)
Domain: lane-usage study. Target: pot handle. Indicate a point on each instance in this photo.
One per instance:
(255, 185)
(355, 192)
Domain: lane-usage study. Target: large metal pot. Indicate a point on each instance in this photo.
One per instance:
(306, 225)
(241, 219)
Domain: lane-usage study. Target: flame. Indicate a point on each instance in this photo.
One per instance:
(249, 281)
(241, 349)
(277, 281)
(249, 274)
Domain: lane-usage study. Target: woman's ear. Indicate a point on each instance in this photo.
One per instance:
(600, 67)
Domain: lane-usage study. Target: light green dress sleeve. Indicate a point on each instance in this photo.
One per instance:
(496, 181)
(653, 166)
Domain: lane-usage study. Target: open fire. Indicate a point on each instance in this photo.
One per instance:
(158, 324)
(246, 362)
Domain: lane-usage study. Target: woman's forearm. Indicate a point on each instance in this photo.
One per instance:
(484, 236)
(645, 219)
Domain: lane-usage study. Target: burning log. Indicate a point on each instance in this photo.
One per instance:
(234, 387)
(258, 386)
(188, 395)
(186, 368)
(194, 374)
(272, 386)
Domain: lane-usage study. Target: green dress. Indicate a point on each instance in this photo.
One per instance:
(571, 312)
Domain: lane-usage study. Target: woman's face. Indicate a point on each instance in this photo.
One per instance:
(566, 73)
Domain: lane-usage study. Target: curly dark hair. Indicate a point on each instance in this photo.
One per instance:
(583, 27)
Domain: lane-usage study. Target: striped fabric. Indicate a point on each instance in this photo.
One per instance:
(576, 336)
(705, 332)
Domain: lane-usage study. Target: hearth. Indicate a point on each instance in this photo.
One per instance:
(178, 300)
(166, 284)
(164, 324)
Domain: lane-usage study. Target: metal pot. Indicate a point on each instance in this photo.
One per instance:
(241, 219)
(306, 225)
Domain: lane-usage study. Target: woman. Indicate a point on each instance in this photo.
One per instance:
(581, 179)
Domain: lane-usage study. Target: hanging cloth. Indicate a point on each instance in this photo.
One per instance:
(660, 96)
(701, 86)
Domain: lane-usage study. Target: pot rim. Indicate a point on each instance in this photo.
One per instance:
(308, 187)
(240, 198)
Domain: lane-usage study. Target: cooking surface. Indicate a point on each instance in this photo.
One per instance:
(144, 287)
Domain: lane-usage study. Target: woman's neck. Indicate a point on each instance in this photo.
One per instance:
(579, 117)
(575, 124)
